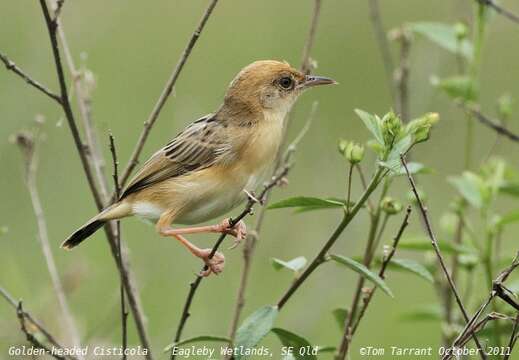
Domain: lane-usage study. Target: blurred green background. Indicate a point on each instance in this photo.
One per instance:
(131, 47)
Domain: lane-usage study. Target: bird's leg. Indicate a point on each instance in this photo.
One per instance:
(239, 231)
(215, 264)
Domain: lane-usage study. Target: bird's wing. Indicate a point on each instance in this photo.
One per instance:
(199, 146)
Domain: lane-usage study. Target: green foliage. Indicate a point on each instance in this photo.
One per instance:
(340, 315)
(363, 271)
(422, 243)
(307, 203)
(290, 339)
(390, 206)
(196, 339)
(472, 188)
(295, 265)
(449, 37)
(505, 106)
(412, 266)
(255, 327)
(457, 87)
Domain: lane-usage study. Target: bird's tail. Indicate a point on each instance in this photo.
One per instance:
(115, 211)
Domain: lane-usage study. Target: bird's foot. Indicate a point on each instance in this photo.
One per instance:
(239, 230)
(214, 265)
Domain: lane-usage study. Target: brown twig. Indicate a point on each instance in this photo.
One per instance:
(134, 158)
(401, 74)
(493, 124)
(250, 245)
(497, 291)
(441, 260)
(28, 144)
(274, 181)
(25, 316)
(306, 62)
(513, 338)
(381, 273)
(124, 271)
(252, 238)
(28, 79)
(124, 311)
(500, 10)
(383, 45)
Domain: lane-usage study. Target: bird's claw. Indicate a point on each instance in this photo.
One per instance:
(214, 265)
(239, 231)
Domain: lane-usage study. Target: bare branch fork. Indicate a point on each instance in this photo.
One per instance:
(498, 290)
(148, 124)
(441, 260)
(133, 298)
(28, 79)
(25, 317)
(28, 144)
(274, 181)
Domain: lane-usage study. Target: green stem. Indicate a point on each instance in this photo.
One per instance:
(321, 256)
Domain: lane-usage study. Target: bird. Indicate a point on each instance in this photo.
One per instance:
(210, 167)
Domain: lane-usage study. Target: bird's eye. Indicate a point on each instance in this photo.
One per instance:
(286, 82)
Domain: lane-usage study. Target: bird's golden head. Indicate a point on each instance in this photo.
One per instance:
(268, 87)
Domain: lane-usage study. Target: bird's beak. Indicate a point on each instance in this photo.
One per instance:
(312, 80)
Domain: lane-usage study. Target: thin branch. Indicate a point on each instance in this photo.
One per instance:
(274, 181)
(513, 338)
(123, 268)
(382, 272)
(24, 316)
(441, 260)
(321, 256)
(383, 45)
(306, 62)
(134, 158)
(28, 144)
(250, 245)
(67, 108)
(124, 311)
(28, 79)
(500, 10)
(498, 290)
(252, 238)
(57, 9)
(493, 124)
(401, 74)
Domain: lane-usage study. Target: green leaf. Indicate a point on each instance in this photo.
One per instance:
(201, 338)
(472, 188)
(295, 264)
(255, 327)
(306, 203)
(393, 161)
(443, 35)
(422, 243)
(510, 218)
(289, 339)
(340, 315)
(363, 271)
(431, 312)
(326, 349)
(510, 188)
(457, 87)
(414, 168)
(413, 267)
(373, 123)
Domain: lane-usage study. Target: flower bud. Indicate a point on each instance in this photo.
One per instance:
(354, 152)
(391, 127)
(390, 206)
(343, 144)
(461, 31)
